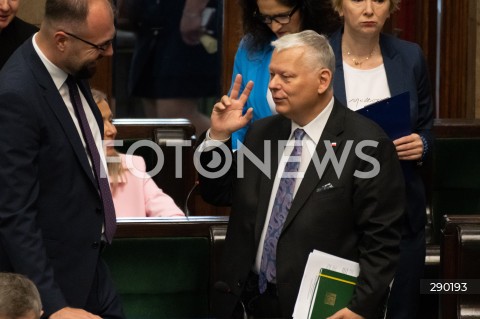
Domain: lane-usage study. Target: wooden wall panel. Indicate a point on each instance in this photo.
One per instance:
(457, 60)
(416, 21)
(426, 37)
(471, 57)
(32, 11)
(232, 33)
(477, 68)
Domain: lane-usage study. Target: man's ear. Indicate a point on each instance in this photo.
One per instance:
(324, 80)
(60, 40)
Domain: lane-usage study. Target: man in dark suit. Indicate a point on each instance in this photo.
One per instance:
(53, 218)
(350, 207)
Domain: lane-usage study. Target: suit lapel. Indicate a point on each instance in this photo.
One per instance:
(58, 107)
(393, 67)
(312, 178)
(338, 77)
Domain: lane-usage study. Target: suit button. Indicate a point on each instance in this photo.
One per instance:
(239, 284)
(95, 245)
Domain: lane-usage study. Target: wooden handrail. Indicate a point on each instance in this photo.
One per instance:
(444, 128)
(143, 128)
(194, 226)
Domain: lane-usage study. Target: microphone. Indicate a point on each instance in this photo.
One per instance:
(187, 200)
(223, 287)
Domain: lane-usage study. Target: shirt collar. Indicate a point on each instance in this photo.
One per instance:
(314, 129)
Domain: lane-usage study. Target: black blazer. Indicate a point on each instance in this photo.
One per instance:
(358, 219)
(51, 213)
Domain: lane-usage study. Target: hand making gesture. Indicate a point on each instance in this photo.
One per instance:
(227, 114)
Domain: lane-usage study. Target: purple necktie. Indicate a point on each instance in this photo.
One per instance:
(103, 185)
(281, 206)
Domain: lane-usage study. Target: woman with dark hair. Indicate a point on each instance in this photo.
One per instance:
(263, 22)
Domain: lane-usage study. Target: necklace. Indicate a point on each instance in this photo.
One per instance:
(358, 61)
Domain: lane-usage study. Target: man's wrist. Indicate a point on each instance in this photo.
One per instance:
(215, 136)
(210, 143)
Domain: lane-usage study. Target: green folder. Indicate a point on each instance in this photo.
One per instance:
(333, 291)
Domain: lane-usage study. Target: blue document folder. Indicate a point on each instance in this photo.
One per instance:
(392, 114)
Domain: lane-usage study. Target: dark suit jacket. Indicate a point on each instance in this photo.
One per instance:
(358, 219)
(51, 213)
(13, 36)
(406, 70)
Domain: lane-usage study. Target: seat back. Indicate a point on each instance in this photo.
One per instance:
(163, 267)
(456, 179)
(161, 277)
(460, 260)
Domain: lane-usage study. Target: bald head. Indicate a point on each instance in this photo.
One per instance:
(76, 34)
(72, 14)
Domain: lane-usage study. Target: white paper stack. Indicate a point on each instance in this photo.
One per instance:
(316, 261)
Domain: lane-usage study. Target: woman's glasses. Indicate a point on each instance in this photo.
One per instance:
(283, 18)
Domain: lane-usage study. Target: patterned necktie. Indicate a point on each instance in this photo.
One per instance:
(102, 182)
(281, 206)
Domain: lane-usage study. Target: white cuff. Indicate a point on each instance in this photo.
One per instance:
(208, 138)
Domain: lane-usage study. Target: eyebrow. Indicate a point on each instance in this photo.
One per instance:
(277, 14)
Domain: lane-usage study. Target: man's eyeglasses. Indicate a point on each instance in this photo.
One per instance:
(283, 18)
(101, 47)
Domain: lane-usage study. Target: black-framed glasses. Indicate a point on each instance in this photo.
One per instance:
(101, 47)
(283, 18)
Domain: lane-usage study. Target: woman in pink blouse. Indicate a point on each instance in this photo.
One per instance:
(134, 192)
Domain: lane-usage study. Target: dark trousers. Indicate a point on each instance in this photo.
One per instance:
(103, 299)
(405, 293)
(257, 305)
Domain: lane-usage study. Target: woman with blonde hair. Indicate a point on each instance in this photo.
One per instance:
(372, 66)
(134, 192)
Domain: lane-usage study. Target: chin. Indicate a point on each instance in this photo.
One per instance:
(111, 152)
(281, 109)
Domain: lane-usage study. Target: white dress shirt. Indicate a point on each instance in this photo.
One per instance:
(313, 131)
